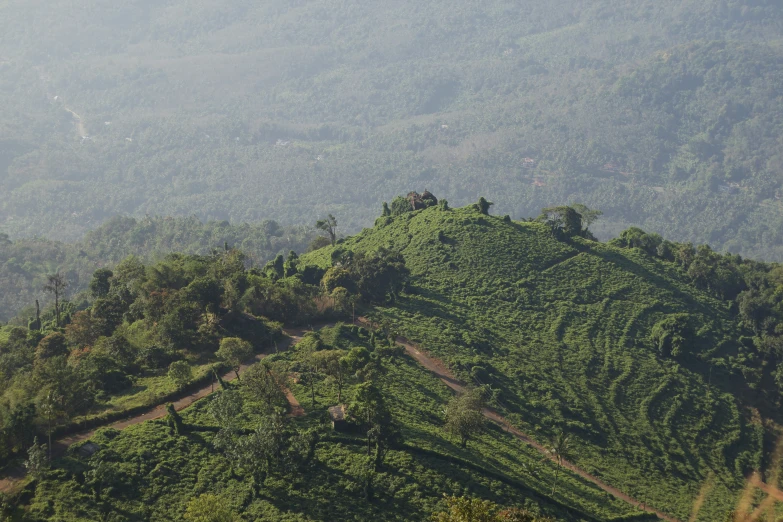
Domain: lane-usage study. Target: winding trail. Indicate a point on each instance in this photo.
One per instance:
(441, 371)
(13, 477)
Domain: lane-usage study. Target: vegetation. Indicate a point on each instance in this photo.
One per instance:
(642, 351)
(26, 264)
(262, 465)
(145, 333)
(652, 365)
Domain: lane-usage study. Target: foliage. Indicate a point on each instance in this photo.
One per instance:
(209, 508)
(37, 460)
(180, 373)
(233, 352)
(463, 415)
(25, 263)
(562, 331)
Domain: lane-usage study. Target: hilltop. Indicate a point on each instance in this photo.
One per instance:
(656, 378)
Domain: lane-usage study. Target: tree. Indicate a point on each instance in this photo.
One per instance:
(263, 384)
(225, 408)
(380, 276)
(562, 220)
(318, 243)
(209, 508)
(463, 509)
(50, 407)
(386, 210)
(328, 225)
(463, 415)
(483, 206)
(561, 451)
(100, 284)
(400, 206)
(56, 285)
(81, 331)
(589, 215)
(308, 354)
(337, 367)
(36, 463)
(234, 351)
(174, 420)
(369, 407)
(262, 452)
(53, 345)
(180, 373)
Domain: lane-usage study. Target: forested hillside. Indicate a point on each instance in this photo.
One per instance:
(25, 264)
(660, 359)
(665, 114)
(654, 367)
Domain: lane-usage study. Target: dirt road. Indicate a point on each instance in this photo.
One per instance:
(14, 477)
(441, 371)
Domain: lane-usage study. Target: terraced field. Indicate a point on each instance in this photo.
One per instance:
(562, 331)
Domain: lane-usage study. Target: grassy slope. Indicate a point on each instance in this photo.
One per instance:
(162, 472)
(563, 330)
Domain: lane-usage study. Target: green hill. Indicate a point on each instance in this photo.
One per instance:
(663, 113)
(151, 473)
(582, 336)
(660, 363)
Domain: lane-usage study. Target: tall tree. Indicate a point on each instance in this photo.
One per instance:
(264, 384)
(234, 351)
(483, 206)
(56, 285)
(328, 225)
(36, 462)
(463, 415)
(561, 451)
(100, 284)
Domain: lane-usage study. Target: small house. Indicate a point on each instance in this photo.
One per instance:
(338, 417)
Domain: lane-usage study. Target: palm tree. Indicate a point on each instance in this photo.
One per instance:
(561, 451)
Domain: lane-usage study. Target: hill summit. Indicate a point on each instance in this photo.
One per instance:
(619, 344)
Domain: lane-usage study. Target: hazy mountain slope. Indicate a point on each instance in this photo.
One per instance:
(565, 331)
(648, 110)
(25, 263)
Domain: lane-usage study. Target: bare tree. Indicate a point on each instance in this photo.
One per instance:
(56, 284)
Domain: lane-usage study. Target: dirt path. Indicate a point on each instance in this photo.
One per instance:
(13, 477)
(441, 371)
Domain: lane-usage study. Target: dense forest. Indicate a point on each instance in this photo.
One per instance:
(656, 371)
(666, 114)
(25, 264)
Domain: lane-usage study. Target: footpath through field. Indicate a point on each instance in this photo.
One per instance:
(441, 371)
(13, 477)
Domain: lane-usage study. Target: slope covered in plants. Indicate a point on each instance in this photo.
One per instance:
(264, 466)
(649, 367)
